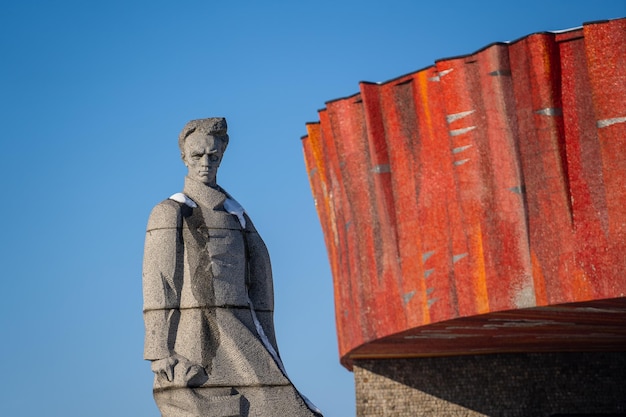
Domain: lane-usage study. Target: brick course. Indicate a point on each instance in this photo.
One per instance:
(502, 385)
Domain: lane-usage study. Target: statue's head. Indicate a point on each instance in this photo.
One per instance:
(202, 145)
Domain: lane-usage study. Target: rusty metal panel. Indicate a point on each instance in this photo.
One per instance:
(488, 188)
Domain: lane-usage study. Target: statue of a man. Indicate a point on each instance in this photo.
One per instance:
(208, 298)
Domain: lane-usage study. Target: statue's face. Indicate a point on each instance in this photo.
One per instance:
(203, 154)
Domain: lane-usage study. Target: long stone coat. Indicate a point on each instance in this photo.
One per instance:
(208, 300)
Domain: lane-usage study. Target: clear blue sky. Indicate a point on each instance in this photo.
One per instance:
(92, 97)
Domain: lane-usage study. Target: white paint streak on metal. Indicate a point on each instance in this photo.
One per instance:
(501, 73)
(458, 132)
(456, 116)
(461, 149)
(600, 310)
(525, 323)
(381, 169)
(457, 258)
(582, 310)
(427, 255)
(437, 77)
(608, 122)
(581, 336)
(407, 297)
(466, 328)
(550, 111)
(461, 162)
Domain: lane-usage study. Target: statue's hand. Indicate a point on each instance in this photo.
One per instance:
(195, 375)
(164, 368)
(181, 369)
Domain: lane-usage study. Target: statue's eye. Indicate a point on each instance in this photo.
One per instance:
(214, 157)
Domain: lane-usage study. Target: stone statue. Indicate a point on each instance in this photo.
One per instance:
(208, 298)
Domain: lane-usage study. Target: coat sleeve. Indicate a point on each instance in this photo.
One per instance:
(162, 280)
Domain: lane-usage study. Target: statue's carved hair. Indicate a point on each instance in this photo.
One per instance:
(214, 126)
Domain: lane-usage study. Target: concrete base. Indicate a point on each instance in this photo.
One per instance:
(502, 385)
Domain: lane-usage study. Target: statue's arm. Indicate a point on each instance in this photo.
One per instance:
(163, 268)
(162, 281)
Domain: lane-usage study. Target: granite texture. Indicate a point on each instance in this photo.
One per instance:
(208, 298)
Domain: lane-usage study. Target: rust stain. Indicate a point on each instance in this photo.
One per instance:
(479, 273)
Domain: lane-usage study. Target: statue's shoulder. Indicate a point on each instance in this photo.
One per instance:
(165, 215)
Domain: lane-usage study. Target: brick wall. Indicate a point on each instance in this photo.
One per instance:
(506, 385)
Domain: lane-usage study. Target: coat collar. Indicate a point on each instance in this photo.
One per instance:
(204, 195)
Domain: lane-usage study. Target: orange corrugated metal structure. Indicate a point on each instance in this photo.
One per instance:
(479, 205)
